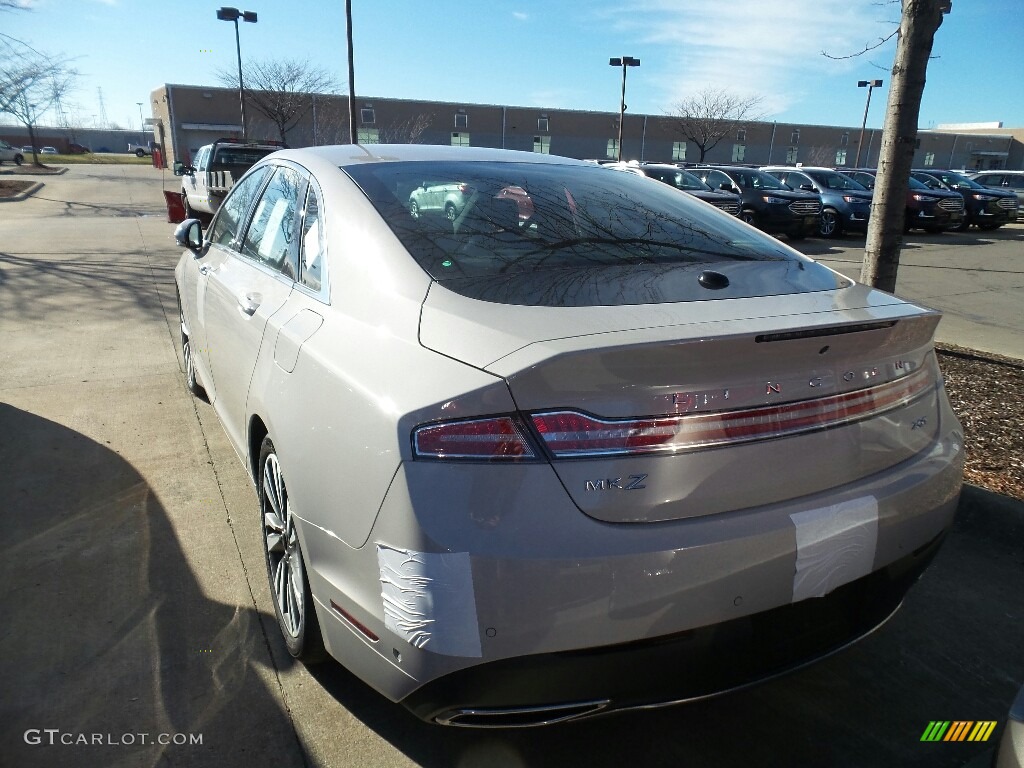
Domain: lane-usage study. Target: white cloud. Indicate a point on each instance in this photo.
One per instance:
(520, 16)
(752, 47)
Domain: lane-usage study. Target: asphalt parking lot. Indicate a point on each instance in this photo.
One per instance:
(135, 599)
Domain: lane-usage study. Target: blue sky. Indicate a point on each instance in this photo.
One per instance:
(552, 53)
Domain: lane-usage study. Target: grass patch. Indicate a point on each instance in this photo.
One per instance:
(103, 158)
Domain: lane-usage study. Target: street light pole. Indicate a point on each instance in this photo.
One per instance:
(625, 61)
(142, 123)
(233, 14)
(870, 85)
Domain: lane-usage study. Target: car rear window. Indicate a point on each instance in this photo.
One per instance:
(507, 232)
(237, 159)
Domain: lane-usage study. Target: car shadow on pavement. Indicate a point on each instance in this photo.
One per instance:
(953, 652)
(37, 284)
(108, 641)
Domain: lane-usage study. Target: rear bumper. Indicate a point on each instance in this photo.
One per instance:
(514, 575)
(667, 670)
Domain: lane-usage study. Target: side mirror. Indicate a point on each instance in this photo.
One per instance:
(726, 186)
(180, 169)
(189, 234)
(808, 187)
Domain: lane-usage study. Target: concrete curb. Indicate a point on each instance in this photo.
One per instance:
(56, 170)
(22, 195)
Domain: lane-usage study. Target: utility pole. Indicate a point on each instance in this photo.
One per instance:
(353, 135)
(918, 25)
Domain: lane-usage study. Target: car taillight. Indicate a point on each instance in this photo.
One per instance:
(482, 439)
(464, 189)
(570, 433)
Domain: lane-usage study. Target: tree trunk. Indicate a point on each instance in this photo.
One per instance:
(921, 19)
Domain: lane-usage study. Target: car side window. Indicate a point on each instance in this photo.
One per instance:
(311, 254)
(226, 228)
(716, 179)
(270, 239)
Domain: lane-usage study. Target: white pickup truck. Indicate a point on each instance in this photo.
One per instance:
(217, 167)
(141, 150)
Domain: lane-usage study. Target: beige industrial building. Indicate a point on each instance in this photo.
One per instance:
(187, 117)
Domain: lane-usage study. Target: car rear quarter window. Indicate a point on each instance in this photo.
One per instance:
(311, 254)
(557, 235)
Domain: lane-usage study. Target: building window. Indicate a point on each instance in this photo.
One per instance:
(929, 158)
(844, 140)
(795, 138)
(840, 157)
(791, 155)
(542, 124)
(368, 136)
(613, 149)
(741, 135)
(461, 120)
(542, 144)
(738, 151)
(678, 150)
(367, 117)
(460, 139)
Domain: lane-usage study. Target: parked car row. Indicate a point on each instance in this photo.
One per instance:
(799, 201)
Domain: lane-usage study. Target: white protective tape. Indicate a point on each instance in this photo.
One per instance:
(834, 546)
(429, 600)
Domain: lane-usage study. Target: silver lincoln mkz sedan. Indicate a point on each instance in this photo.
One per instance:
(590, 445)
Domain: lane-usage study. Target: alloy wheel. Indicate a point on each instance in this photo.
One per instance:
(284, 559)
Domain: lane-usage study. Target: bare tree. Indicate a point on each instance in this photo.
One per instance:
(281, 89)
(31, 83)
(408, 131)
(920, 21)
(824, 156)
(712, 114)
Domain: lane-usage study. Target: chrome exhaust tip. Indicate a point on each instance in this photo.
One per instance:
(521, 717)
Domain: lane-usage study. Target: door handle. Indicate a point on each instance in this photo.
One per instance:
(249, 303)
(206, 269)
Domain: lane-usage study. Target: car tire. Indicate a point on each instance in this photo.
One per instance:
(830, 225)
(450, 213)
(747, 216)
(139, 153)
(190, 212)
(286, 570)
(18, 159)
(414, 209)
(191, 380)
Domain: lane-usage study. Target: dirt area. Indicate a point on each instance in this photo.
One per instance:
(987, 393)
(12, 187)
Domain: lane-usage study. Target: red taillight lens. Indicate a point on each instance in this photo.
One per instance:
(568, 433)
(495, 438)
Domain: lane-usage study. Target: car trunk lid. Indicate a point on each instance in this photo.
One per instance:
(663, 412)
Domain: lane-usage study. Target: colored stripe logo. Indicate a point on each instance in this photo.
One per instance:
(958, 730)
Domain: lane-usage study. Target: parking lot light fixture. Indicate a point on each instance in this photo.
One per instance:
(624, 61)
(870, 85)
(233, 14)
